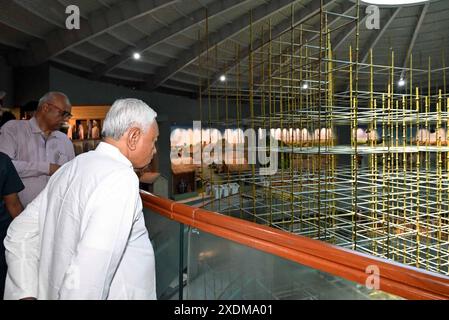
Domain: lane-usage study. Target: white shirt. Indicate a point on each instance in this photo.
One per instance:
(84, 236)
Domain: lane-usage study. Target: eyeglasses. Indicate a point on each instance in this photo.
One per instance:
(62, 113)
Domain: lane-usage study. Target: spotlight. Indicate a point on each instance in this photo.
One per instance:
(222, 78)
(136, 56)
(305, 86)
(401, 82)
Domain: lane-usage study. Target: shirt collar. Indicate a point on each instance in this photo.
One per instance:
(114, 152)
(35, 128)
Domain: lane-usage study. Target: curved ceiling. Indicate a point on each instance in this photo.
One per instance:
(166, 34)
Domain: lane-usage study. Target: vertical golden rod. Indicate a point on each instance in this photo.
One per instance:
(262, 125)
(429, 91)
(396, 169)
(200, 101)
(320, 60)
(309, 125)
(384, 166)
(353, 145)
(371, 131)
(227, 143)
(427, 164)
(447, 178)
(290, 132)
(329, 132)
(390, 105)
(239, 130)
(209, 99)
(251, 106)
(301, 124)
(412, 108)
(281, 142)
(376, 181)
(404, 182)
(439, 180)
(418, 170)
(387, 173)
(356, 106)
(427, 227)
(375, 173)
(217, 114)
(443, 63)
(270, 106)
(326, 126)
(390, 162)
(428, 222)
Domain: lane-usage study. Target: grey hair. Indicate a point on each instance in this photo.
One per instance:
(125, 114)
(49, 97)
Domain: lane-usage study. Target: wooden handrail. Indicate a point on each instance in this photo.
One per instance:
(394, 278)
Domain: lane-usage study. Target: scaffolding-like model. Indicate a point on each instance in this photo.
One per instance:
(386, 194)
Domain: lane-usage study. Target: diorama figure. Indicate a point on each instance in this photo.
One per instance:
(95, 130)
(80, 130)
(89, 129)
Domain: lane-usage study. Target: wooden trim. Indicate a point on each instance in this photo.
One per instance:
(397, 279)
(89, 112)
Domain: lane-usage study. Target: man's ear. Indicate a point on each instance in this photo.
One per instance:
(134, 135)
(45, 107)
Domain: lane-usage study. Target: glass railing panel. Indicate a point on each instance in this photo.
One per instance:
(165, 237)
(219, 269)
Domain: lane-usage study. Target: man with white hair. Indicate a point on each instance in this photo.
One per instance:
(84, 236)
(36, 147)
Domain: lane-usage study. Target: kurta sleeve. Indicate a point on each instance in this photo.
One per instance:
(22, 245)
(8, 145)
(110, 215)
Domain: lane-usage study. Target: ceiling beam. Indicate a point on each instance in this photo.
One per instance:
(9, 41)
(241, 23)
(374, 39)
(341, 38)
(415, 34)
(53, 16)
(99, 21)
(182, 24)
(176, 84)
(16, 17)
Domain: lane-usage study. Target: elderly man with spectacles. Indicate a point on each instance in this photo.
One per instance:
(36, 147)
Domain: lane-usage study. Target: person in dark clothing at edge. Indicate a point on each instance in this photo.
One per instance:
(10, 207)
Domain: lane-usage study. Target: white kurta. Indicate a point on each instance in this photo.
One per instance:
(84, 236)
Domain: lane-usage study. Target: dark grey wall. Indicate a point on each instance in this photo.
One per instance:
(83, 91)
(7, 82)
(30, 83)
(177, 109)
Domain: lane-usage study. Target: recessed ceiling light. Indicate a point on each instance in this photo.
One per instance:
(394, 2)
(222, 78)
(136, 56)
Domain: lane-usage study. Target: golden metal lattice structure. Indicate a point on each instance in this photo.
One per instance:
(388, 195)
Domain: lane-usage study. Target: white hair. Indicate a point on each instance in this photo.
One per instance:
(127, 113)
(48, 97)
